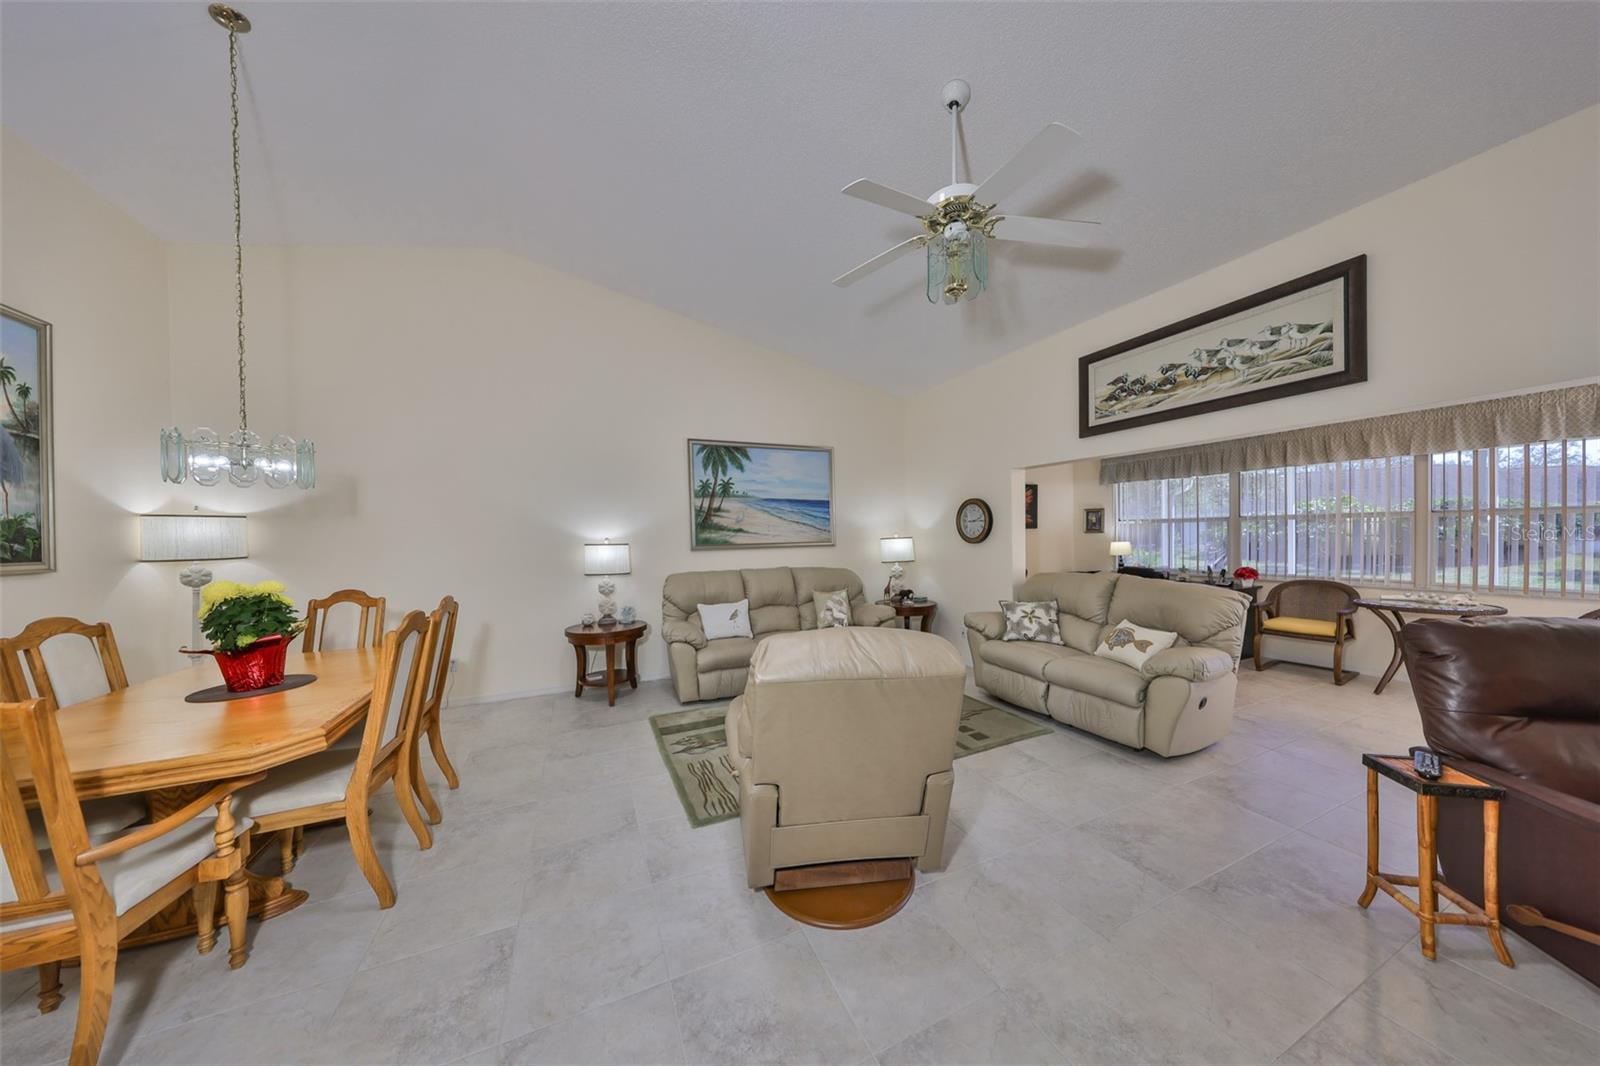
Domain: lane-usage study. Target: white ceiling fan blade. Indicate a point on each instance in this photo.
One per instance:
(877, 261)
(883, 196)
(1069, 233)
(1048, 150)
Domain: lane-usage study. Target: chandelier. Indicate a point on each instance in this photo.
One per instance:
(201, 455)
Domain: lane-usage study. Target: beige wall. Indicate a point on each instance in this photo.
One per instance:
(1482, 280)
(478, 417)
(72, 259)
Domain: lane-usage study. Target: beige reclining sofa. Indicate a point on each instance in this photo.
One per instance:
(842, 744)
(780, 602)
(1182, 699)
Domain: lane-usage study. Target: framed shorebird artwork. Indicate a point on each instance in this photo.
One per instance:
(27, 513)
(1306, 334)
(744, 495)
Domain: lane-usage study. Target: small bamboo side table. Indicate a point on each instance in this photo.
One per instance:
(1428, 883)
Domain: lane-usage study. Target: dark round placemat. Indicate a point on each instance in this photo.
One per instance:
(220, 693)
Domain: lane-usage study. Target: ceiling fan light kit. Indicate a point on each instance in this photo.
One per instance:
(960, 219)
(202, 455)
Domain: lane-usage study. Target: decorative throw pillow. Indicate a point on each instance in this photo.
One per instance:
(833, 608)
(1132, 645)
(1039, 620)
(725, 619)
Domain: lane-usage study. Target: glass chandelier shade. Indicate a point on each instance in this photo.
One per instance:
(202, 455)
(958, 264)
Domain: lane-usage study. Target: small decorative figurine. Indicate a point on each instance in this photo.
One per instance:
(628, 614)
(588, 618)
(608, 602)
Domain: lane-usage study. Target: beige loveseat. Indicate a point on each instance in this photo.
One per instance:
(1181, 701)
(780, 602)
(842, 744)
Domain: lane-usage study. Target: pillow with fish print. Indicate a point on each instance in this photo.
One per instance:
(1032, 620)
(725, 619)
(1132, 645)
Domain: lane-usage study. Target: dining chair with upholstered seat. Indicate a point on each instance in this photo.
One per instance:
(64, 661)
(338, 784)
(442, 623)
(1309, 609)
(108, 886)
(368, 629)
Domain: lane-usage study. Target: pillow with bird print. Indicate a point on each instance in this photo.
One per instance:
(833, 608)
(1032, 620)
(1132, 645)
(725, 619)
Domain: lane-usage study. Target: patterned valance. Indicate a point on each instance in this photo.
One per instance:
(1534, 416)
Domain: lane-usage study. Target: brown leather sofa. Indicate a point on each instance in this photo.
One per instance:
(780, 602)
(843, 743)
(1516, 701)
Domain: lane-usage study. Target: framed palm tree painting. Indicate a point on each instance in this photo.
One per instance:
(27, 519)
(745, 495)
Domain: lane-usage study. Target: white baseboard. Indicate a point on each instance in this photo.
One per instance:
(528, 693)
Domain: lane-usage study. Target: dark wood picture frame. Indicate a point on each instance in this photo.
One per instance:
(1353, 272)
(1030, 506)
(1094, 519)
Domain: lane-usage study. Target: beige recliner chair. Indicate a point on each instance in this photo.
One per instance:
(843, 743)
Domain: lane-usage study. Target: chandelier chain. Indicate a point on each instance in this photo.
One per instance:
(238, 217)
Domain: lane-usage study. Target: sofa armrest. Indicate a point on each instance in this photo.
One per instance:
(1192, 663)
(680, 631)
(990, 624)
(872, 614)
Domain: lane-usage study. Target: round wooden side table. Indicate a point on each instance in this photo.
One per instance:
(908, 610)
(583, 638)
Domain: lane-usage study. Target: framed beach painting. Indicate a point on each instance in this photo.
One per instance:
(745, 495)
(27, 519)
(1306, 334)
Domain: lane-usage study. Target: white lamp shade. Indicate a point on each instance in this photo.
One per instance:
(1121, 547)
(188, 537)
(607, 558)
(897, 550)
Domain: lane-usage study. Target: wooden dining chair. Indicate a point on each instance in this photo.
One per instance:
(338, 784)
(369, 623)
(65, 661)
(442, 626)
(108, 888)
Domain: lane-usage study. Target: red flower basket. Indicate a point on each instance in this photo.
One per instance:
(258, 666)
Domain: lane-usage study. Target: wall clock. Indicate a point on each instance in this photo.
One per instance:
(974, 521)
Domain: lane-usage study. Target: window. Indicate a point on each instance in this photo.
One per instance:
(1176, 522)
(1350, 520)
(1522, 518)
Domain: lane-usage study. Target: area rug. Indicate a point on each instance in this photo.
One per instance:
(695, 749)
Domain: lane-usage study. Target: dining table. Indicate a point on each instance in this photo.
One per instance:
(148, 739)
(1398, 606)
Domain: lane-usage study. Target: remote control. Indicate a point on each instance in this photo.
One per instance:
(1425, 763)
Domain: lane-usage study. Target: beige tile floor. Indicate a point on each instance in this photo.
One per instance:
(1100, 905)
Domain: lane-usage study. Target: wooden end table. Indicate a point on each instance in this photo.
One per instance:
(1428, 884)
(907, 610)
(1395, 607)
(582, 638)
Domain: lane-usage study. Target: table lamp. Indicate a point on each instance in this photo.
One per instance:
(1119, 548)
(167, 538)
(896, 550)
(606, 559)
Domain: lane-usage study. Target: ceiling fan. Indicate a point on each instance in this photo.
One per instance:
(960, 219)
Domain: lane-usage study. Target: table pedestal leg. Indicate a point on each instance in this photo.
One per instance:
(1397, 658)
(927, 621)
(1491, 878)
(583, 666)
(1427, 859)
(1372, 840)
(633, 663)
(611, 675)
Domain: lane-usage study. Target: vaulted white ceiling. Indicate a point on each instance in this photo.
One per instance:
(692, 154)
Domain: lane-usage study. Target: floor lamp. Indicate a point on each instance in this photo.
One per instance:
(190, 538)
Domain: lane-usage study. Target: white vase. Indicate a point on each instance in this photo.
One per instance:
(1247, 582)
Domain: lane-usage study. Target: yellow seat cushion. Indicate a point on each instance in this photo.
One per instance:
(1301, 627)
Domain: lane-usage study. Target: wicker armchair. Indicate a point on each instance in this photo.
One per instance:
(1308, 609)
